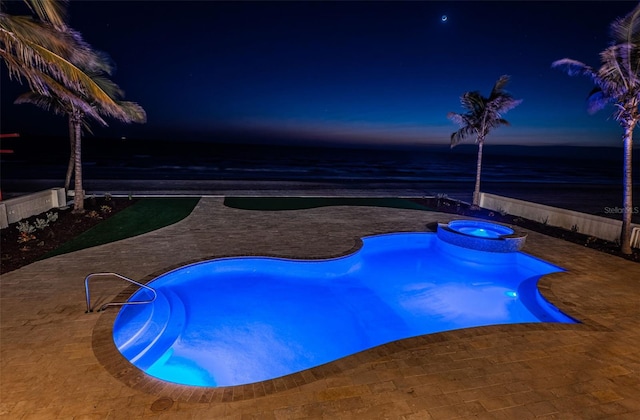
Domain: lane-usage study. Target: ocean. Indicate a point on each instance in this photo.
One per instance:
(580, 178)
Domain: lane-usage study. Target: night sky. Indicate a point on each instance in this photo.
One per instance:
(340, 72)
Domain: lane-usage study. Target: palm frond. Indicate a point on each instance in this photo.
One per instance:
(108, 86)
(466, 127)
(461, 135)
(498, 87)
(124, 111)
(86, 56)
(573, 67)
(81, 82)
(134, 112)
(19, 33)
(627, 56)
(71, 101)
(597, 100)
(615, 74)
(627, 28)
(46, 103)
(471, 101)
(502, 104)
(50, 11)
(458, 119)
(59, 107)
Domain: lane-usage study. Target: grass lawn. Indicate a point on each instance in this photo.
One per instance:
(144, 216)
(298, 203)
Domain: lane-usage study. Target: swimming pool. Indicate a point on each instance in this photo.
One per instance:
(234, 321)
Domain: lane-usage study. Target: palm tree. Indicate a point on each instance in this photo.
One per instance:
(63, 72)
(483, 114)
(618, 83)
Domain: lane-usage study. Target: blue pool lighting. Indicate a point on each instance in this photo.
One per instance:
(234, 321)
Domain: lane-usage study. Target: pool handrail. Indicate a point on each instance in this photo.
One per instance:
(120, 276)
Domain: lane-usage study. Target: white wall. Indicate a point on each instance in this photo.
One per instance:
(16, 209)
(600, 227)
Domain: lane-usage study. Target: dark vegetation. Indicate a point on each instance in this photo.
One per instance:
(110, 219)
(106, 220)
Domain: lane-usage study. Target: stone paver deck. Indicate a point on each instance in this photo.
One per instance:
(59, 363)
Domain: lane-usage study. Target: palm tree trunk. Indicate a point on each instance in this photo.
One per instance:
(627, 201)
(78, 201)
(476, 191)
(70, 165)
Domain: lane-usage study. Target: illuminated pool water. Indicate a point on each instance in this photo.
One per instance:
(480, 229)
(234, 321)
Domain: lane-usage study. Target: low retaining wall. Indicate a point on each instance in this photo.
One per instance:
(600, 227)
(15, 209)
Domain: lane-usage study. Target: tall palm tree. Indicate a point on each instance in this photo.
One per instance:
(62, 70)
(617, 82)
(483, 114)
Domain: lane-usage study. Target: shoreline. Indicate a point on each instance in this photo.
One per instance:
(599, 199)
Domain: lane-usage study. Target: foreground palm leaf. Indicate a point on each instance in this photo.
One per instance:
(49, 11)
(483, 114)
(30, 48)
(617, 83)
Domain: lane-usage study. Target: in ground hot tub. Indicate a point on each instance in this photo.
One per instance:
(481, 236)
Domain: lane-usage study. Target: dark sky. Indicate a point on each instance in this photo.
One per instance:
(360, 72)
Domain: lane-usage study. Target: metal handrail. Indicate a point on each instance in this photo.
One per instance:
(106, 305)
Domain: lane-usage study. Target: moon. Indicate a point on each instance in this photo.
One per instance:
(444, 18)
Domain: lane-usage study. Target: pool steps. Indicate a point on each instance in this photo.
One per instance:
(154, 336)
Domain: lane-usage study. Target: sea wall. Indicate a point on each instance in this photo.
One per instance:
(598, 226)
(18, 208)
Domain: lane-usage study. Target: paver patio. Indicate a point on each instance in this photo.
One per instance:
(58, 362)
